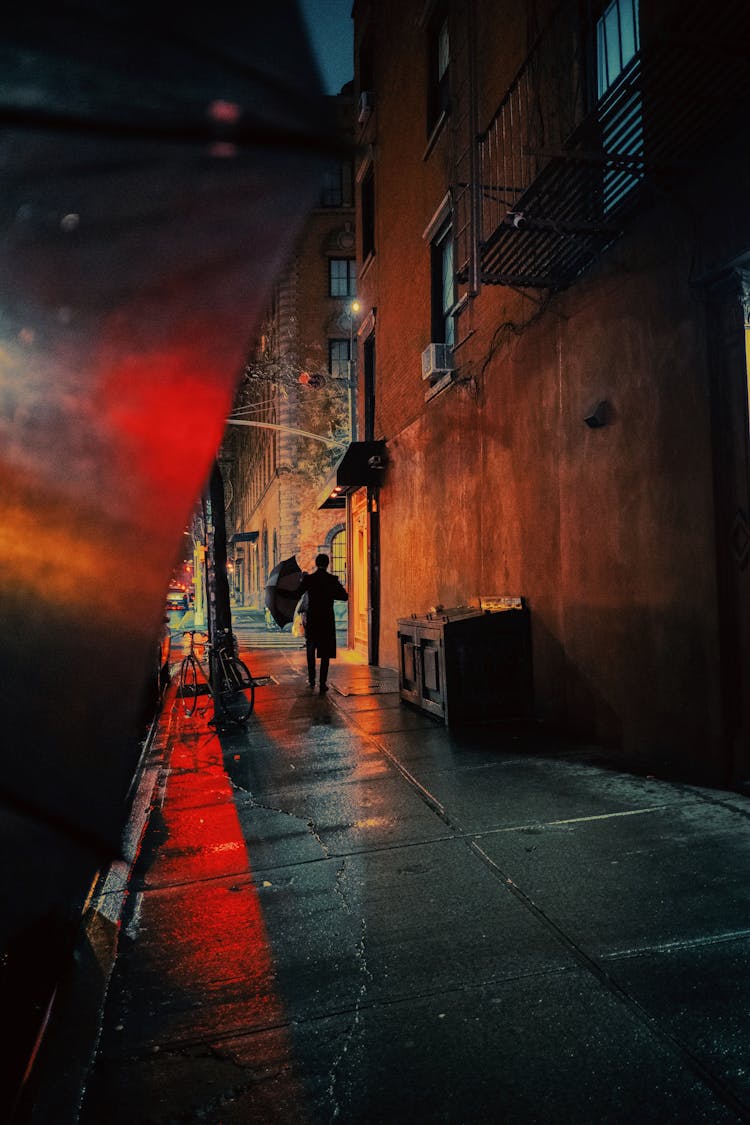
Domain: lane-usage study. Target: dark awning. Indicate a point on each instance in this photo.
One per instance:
(244, 537)
(361, 465)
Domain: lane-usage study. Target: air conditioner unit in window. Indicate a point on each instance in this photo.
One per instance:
(437, 359)
(366, 105)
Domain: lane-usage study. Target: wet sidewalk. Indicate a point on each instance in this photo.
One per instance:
(347, 913)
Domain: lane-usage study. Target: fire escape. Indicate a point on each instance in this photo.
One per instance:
(594, 119)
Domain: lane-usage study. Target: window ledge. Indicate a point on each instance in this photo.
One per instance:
(440, 385)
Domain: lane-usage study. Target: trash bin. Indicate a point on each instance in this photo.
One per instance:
(468, 664)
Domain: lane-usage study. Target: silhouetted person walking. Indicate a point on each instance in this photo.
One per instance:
(322, 590)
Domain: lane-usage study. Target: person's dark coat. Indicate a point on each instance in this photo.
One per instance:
(322, 589)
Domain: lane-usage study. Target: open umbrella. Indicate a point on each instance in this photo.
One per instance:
(282, 590)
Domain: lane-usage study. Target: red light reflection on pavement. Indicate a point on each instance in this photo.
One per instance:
(202, 926)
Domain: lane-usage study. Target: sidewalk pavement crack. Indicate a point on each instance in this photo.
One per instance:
(318, 838)
(360, 1000)
(351, 1011)
(677, 946)
(309, 824)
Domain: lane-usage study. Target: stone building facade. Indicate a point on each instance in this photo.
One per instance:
(553, 238)
(296, 383)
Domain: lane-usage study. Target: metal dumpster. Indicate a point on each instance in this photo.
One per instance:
(468, 664)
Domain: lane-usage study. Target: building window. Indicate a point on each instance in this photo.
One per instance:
(337, 185)
(617, 42)
(438, 46)
(443, 288)
(368, 213)
(342, 277)
(617, 52)
(339, 354)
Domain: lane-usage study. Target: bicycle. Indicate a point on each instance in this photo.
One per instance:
(228, 682)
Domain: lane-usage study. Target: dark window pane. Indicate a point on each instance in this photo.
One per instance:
(443, 288)
(338, 358)
(438, 46)
(341, 277)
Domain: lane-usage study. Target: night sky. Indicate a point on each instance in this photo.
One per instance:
(330, 26)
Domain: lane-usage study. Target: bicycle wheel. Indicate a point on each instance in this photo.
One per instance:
(189, 684)
(237, 694)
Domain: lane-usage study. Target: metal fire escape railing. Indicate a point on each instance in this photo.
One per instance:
(464, 151)
(558, 183)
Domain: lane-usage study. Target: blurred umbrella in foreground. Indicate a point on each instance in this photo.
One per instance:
(157, 161)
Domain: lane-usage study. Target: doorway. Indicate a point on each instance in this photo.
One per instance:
(360, 573)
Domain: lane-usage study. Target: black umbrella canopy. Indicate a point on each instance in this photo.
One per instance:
(158, 162)
(282, 591)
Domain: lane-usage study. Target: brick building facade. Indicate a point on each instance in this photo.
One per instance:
(553, 235)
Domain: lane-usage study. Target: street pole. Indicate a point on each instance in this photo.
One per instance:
(219, 612)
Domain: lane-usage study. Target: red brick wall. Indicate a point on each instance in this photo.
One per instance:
(498, 486)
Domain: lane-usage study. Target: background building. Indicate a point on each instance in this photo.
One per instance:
(296, 383)
(553, 244)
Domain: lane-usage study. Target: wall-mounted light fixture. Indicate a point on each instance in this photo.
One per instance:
(599, 416)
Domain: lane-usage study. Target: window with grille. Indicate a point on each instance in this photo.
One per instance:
(338, 556)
